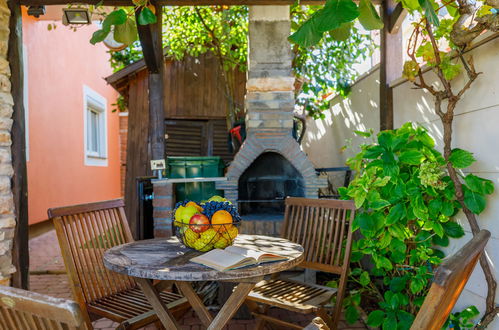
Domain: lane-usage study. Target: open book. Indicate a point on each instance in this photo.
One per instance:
(235, 257)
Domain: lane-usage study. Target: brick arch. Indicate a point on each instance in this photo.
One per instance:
(259, 143)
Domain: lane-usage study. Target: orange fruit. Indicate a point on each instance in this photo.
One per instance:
(221, 217)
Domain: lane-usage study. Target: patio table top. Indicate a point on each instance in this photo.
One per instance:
(168, 259)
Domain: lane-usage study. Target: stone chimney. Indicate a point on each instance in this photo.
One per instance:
(270, 101)
(270, 83)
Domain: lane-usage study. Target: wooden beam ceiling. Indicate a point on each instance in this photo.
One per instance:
(170, 2)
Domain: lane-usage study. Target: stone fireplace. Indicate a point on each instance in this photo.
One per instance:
(270, 164)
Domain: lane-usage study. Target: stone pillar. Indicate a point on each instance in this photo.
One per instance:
(7, 217)
(270, 84)
(163, 206)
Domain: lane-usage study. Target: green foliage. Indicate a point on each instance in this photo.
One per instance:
(198, 30)
(463, 319)
(332, 16)
(368, 16)
(146, 16)
(327, 68)
(460, 158)
(405, 202)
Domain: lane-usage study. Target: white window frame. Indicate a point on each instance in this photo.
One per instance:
(98, 103)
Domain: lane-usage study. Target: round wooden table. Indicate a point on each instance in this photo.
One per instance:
(169, 260)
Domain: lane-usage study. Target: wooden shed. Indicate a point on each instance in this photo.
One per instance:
(195, 110)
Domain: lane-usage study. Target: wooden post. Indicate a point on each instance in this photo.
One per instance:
(391, 60)
(152, 47)
(151, 40)
(20, 253)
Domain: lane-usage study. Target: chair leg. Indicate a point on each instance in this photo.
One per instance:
(255, 309)
(331, 323)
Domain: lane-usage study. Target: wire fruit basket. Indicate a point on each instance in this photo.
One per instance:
(206, 226)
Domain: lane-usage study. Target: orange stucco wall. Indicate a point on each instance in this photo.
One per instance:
(59, 63)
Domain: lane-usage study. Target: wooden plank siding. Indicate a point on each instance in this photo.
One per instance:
(194, 89)
(195, 110)
(138, 153)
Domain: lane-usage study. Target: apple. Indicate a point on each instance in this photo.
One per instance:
(187, 213)
(199, 219)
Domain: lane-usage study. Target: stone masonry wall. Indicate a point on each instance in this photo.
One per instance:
(7, 217)
(270, 101)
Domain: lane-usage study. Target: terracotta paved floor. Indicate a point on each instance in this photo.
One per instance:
(45, 255)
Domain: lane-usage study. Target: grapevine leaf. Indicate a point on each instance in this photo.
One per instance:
(342, 33)
(99, 36)
(307, 35)
(146, 16)
(429, 11)
(334, 13)
(452, 8)
(116, 17)
(368, 16)
(426, 52)
(411, 5)
(126, 33)
(460, 158)
(449, 69)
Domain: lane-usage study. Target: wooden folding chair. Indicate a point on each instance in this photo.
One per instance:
(449, 281)
(85, 232)
(25, 310)
(323, 228)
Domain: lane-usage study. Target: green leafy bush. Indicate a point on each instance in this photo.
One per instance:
(405, 202)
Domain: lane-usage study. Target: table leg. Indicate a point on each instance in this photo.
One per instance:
(231, 306)
(157, 304)
(196, 302)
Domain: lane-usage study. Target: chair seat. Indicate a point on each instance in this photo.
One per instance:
(131, 303)
(292, 295)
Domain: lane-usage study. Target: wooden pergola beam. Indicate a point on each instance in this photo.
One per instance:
(396, 18)
(390, 60)
(170, 2)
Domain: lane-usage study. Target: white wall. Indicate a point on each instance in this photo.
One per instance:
(325, 138)
(476, 128)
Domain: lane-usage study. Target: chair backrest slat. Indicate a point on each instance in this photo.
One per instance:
(20, 309)
(85, 232)
(323, 228)
(448, 283)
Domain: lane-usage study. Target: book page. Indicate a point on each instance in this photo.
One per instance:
(260, 256)
(223, 260)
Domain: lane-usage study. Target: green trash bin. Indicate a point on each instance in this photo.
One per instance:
(195, 167)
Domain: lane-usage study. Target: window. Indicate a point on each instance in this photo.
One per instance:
(95, 130)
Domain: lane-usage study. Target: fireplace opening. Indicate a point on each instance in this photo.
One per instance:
(267, 182)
